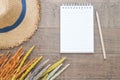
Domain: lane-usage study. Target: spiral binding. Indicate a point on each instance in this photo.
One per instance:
(76, 6)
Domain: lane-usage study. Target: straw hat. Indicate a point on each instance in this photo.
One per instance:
(18, 21)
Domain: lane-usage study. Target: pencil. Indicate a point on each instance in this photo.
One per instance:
(101, 35)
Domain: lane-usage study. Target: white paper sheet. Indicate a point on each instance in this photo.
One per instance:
(76, 29)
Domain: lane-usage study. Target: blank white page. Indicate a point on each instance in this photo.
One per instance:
(76, 29)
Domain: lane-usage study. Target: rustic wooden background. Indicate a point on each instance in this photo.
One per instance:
(83, 66)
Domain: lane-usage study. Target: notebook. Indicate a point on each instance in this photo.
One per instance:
(76, 28)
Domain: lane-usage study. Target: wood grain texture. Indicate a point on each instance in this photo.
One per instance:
(83, 66)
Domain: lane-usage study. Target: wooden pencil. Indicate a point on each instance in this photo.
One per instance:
(101, 35)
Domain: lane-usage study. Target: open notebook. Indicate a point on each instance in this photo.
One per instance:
(76, 29)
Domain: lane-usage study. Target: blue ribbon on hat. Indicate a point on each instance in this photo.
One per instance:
(20, 19)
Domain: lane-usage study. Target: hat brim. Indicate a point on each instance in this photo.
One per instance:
(25, 30)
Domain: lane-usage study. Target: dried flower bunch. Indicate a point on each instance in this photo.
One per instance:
(15, 67)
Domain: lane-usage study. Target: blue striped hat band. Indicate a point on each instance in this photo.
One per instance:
(19, 20)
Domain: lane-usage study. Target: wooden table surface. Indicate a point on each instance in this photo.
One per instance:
(83, 66)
